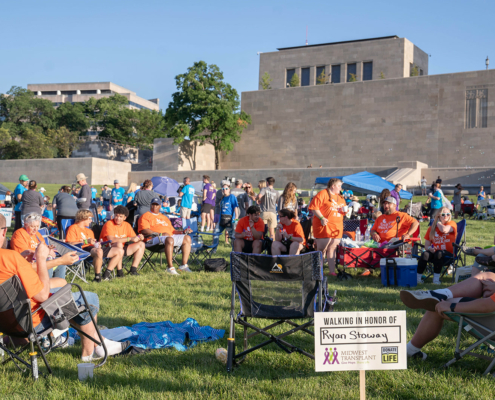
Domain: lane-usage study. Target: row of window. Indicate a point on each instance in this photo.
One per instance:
(73, 92)
(477, 108)
(321, 78)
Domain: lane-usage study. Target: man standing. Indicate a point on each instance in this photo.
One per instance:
(396, 194)
(481, 196)
(457, 200)
(187, 197)
(269, 197)
(19, 190)
(105, 196)
(84, 196)
(242, 197)
(439, 180)
(93, 193)
(208, 206)
(436, 201)
(117, 194)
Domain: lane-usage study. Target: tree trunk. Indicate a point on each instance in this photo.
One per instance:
(217, 159)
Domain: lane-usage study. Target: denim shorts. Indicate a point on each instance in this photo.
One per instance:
(81, 319)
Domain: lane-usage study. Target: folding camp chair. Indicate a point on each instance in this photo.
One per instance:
(77, 270)
(481, 327)
(453, 261)
(65, 225)
(196, 241)
(207, 251)
(282, 288)
(16, 321)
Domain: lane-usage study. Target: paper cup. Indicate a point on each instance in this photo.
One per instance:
(85, 371)
(345, 209)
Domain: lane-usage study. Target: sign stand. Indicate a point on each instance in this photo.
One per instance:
(362, 385)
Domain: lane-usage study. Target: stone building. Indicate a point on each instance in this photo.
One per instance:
(384, 117)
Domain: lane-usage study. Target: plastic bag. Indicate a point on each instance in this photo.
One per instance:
(371, 244)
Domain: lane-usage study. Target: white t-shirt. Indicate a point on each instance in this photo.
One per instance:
(355, 206)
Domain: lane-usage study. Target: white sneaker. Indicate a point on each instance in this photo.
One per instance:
(91, 357)
(420, 280)
(436, 281)
(172, 271)
(184, 268)
(422, 299)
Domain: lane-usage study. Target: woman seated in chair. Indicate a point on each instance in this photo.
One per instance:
(438, 244)
(289, 235)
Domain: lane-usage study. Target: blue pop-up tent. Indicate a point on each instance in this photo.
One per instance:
(165, 186)
(365, 182)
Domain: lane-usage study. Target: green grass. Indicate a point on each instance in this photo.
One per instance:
(266, 374)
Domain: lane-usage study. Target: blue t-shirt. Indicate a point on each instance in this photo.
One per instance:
(436, 204)
(187, 198)
(117, 196)
(480, 197)
(128, 196)
(48, 214)
(19, 189)
(347, 195)
(93, 193)
(165, 210)
(103, 215)
(229, 204)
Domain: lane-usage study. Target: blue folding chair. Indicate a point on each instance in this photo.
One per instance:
(196, 240)
(65, 225)
(77, 269)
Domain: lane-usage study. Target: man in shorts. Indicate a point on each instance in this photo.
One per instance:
(249, 232)
(268, 198)
(157, 226)
(208, 206)
(80, 234)
(187, 197)
(121, 234)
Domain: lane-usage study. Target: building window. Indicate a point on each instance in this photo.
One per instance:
(335, 73)
(69, 92)
(88, 91)
(290, 74)
(320, 76)
(477, 108)
(421, 72)
(304, 76)
(351, 72)
(49, 93)
(367, 71)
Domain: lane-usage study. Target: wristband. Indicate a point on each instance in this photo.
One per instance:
(128, 240)
(290, 237)
(452, 307)
(85, 241)
(321, 218)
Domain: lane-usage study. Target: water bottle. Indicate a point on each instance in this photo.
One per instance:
(367, 234)
(358, 234)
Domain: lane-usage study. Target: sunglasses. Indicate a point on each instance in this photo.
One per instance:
(225, 188)
(445, 215)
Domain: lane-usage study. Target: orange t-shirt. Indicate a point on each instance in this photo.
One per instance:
(386, 225)
(119, 231)
(329, 207)
(295, 229)
(22, 240)
(156, 222)
(77, 234)
(12, 263)
(243, 226)
(443, 241)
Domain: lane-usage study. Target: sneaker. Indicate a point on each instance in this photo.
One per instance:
(422, 299)
(184, 268)
(436, 281)
(332, 274)
(135, 273)
(486, 261)
(120, 273)
(420, 281)
(366, 272)
(419, 355)
(469, 251)
(97, 279)
(61, 342)
(107, 278)
(172, 271)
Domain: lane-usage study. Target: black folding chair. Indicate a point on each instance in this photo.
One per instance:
(282, 288)
(16, 322)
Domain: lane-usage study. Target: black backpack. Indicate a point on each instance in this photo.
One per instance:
(215, 265)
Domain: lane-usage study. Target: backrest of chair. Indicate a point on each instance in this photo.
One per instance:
(65, 225)
(191, 223)
(15, 308)
(277, 286)
(461, 228)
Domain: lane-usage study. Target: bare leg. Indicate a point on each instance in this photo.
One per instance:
(115, 255)
(136, 249)
(331, 254)
(57, 282)
(186, 249)
(295, 248)
(212, 218)
(472, 287)
(257, 246)
(429, 328)
(88, 346)
(203, 221)
(97, 255)
(277, 248)
(238, 245)
(169, 251)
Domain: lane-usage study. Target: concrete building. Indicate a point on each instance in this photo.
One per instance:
(443, 121)
(59, 93)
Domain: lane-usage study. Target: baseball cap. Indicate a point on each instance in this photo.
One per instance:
(81, 177)
(23, 178)
(390, 199)
(156, 200)
(42, 189)
(115, 181)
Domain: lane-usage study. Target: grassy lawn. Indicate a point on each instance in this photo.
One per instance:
(266, 374)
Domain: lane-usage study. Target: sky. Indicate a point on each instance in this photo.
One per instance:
(142, 45)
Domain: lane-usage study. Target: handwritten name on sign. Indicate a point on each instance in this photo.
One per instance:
(346, 341)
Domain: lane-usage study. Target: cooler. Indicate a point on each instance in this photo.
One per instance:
(406, 269)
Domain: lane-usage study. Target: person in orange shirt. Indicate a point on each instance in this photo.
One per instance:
(289, 234)
(25, 241)
(329, 208)
(385, 227)
(153, 222)
(36, 284)
(438, 244)
(249, 232)
(80, 234)
(121, 234)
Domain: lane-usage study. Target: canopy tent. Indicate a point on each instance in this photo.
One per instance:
(4, 190)
(365, 182)
(165, 186)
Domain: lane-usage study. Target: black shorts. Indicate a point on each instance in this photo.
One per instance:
(106, 250)
(206, 208)
(248, 246)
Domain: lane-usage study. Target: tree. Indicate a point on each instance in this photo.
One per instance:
(206, 109)
(266, 79)
(352, 78)
(104, 113)
(294, 82)
(64, 140)
(382, 76)
(414, 70)
(72, 117)
(322, 78)
(33, 143)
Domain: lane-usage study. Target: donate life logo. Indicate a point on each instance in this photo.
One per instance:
(331, 357)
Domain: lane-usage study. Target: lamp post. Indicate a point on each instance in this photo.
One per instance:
(487, 62)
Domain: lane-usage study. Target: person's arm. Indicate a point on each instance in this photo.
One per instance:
(148, 232)
(66, 259)
(428, 246)
(486, 305)
(445, 228)
(278, 233)
(257, 235)
(236, 213)
(375, 236)
(412, 230)
(41, 255)
(134, 239)
(204, 194)
(433, 197)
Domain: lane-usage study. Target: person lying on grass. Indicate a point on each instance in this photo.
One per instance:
(474, 295)
(36, 283)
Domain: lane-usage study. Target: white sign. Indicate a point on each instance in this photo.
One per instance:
(350, 341)
(7, 213)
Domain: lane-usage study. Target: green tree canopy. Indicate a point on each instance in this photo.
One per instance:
(294, 82)
(265, 81)
(207, 109)
(72, 117)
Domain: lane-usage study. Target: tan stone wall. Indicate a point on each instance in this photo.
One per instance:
(204, 156)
